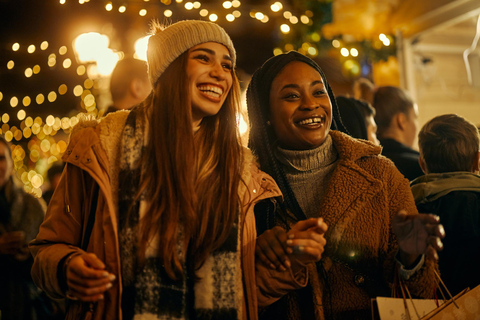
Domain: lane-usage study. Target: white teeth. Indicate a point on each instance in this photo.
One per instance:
(310, 121)
(211, 90)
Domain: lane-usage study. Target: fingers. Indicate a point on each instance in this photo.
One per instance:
(86, 278)
(308, 250)
(272, 250)
(316, 224)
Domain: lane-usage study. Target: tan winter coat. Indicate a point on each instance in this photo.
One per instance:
(92, 157)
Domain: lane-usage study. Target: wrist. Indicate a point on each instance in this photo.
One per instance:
(406, 259)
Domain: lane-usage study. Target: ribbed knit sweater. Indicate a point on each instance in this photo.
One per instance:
(309, 173)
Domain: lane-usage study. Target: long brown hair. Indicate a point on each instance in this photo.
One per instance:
(190, 180)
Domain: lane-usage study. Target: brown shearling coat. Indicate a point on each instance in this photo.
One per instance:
(365, 192)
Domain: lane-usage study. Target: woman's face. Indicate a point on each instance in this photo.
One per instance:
(6, 165)
(300, 108)
(372, 130)
(209, 71)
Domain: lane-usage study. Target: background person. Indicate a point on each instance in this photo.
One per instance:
(20, 217)
(449, 156)
(129, 84)
(358, 194)
(397, 127)
(358, 118)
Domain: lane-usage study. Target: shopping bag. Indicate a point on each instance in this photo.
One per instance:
(464, 306)
(385, 308)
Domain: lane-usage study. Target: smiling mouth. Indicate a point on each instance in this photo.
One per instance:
(211, 91)
(314, 121)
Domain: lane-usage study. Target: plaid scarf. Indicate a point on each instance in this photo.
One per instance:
(148, 292)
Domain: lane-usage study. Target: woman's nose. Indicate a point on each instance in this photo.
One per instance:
(309, 103)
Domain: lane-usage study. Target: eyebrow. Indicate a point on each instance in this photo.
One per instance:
(294, 86)
(209, 51)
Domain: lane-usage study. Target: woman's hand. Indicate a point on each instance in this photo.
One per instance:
(303, 244)
(417, 235)
(87, 278)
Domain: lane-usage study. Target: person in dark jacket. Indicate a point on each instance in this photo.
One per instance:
(450, 188)
(358, 118)
(396, 118)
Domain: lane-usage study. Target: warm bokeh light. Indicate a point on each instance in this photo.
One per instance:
(259, 16)
(293, 20)
(236, 14)
(109, 6)
(44, 45)
(287, 14)
(14, 102)
(81, 70)
(168, 13)
(16, 46)
(78, 90)
(344, 52)
(28, 72)
(336, 43)
(5, 117)
(31, 48)
(227, 4)
(62, 50)
(62, 89)
(88, 84)
(52, 96)
(354, 52)
(204, 12)
(304, 19)
(122, 9)
(26, 101)
(67, 63)
(285, 28)
(88, 46)
(40, 98)
(10, 65)
(277, 51)
(21, 114)
(197, 5)
(36, 69)
(213, 17)
(141, 48)
(189, 6)
(142, 12)
(275, 7)
(236, 3)
(230, 17)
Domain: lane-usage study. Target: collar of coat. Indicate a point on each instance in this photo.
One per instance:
(430, 187)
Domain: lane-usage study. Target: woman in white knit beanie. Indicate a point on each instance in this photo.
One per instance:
(156, 220)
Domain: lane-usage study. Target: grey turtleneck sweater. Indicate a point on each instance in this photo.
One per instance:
(309, 172)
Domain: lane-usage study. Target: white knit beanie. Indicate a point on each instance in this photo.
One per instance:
(167, 44)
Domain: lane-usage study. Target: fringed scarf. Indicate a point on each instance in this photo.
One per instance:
(148, 292)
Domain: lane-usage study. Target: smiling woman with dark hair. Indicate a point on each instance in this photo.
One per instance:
(368, 226)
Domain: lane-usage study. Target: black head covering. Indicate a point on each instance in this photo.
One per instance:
(352, 116)
(262, 137)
